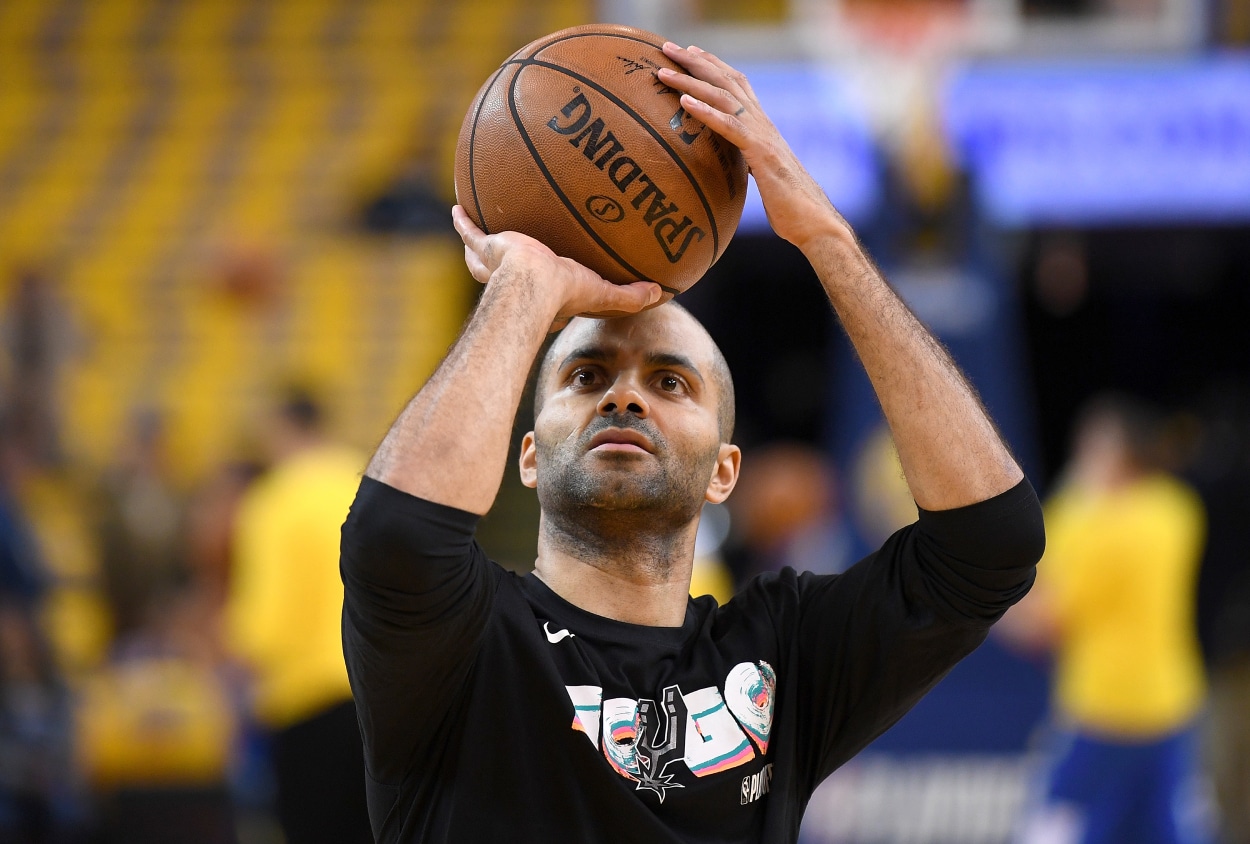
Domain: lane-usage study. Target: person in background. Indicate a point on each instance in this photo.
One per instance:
(38, 336)
(787, 513)
(1114, 600)
(140, 517)
(156, 729)
(282, 618)
(38, 788)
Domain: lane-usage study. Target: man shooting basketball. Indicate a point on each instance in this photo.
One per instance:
(594, 700)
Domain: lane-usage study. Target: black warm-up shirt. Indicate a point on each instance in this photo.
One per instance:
(493, 710)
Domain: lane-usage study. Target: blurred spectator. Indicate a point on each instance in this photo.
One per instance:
(786, 513)
(140, 526)
(37, 774)
(53, 557)
(1221, 473)
(410, 204)
(210, 527)
(283, 618)
(22, 576)
(157, 727)
(36, 754)
(1115, 599)
(38, 336)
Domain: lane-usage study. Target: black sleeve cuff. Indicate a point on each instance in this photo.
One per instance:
(1005, 531)
(980, 559)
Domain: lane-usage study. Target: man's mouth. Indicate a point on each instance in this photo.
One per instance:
(622, 440)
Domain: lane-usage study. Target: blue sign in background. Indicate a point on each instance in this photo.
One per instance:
(1105, 142)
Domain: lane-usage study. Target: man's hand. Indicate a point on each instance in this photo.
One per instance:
(578, 290)
(721, 97)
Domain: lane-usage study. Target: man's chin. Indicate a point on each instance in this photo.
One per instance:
(617, 486)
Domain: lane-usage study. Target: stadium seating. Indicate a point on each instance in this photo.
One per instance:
(191, 172)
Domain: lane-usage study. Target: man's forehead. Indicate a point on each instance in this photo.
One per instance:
(662, 329)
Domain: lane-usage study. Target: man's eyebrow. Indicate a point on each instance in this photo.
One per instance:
(598, 354)
(672, 359)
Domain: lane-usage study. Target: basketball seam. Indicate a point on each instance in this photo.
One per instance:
(638, 118)
(542, 166)
(472, 140)
(595, 34)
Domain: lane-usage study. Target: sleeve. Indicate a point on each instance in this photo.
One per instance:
(872, 641)
(418, 591)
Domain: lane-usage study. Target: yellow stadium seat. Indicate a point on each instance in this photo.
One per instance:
(155, 134)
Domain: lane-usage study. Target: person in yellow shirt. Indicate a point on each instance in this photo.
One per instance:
(1114, 599)
(283, 620)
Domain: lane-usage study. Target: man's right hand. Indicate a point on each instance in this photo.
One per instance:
(578, 290)
(450, 444)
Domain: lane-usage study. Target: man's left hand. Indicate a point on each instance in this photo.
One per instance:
(721, 97)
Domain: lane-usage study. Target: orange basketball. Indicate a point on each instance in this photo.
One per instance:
(575, 142)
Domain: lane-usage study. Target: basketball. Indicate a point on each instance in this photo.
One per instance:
(575, 142)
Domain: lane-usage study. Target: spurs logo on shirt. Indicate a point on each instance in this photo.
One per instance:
(706, 731)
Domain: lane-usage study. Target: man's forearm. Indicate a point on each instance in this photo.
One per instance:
(450, 444)
(951, 452)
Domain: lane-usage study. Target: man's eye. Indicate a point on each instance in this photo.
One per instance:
(670, 383)
(584, 378)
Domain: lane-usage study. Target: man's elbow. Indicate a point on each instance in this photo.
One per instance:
(1025, 540)
(1012, 537)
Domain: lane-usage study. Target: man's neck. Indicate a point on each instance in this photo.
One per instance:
(644, 579)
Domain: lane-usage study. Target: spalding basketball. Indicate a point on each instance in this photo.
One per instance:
(575, 142)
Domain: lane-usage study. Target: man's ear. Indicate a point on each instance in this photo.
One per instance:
(724, 474)
(528, 461)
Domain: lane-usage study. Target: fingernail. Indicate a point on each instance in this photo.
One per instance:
(656, 294)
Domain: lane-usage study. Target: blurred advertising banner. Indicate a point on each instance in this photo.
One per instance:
(956, 769)
(819, 118)
(952, 799)
(1110, 141)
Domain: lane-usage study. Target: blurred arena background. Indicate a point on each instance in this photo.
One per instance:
(212, 210)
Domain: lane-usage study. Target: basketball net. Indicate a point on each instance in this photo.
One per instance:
(904, 27)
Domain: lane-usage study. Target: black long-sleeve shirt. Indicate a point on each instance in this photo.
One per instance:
(493, 710)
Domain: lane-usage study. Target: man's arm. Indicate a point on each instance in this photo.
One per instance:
(450, 444)
(951, 452)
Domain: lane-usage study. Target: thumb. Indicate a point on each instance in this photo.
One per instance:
(629, 298)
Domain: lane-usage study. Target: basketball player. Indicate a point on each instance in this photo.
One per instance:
(594, 700)
(1115, 603)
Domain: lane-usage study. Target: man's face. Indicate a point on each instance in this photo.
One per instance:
(629, 420)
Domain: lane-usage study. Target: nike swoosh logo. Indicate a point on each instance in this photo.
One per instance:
(558, 636)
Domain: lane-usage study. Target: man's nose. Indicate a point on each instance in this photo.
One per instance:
(624, 396)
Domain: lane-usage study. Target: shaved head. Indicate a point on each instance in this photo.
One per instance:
(719, 372)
